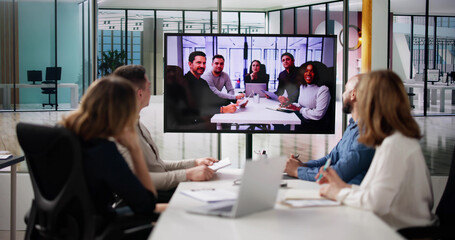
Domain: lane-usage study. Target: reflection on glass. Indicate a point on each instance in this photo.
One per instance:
(288, 21)
(252, 23)
(274, 22)
(303, 16)
(197, 22)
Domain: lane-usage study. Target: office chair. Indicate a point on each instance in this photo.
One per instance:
(445, 212)
(62, 207)
(53, 74)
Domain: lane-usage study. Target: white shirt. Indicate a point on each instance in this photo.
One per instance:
(397, 186)
(314, 101)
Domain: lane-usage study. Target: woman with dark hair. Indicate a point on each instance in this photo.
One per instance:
(397, 186)
(257, 73)
(314, 98)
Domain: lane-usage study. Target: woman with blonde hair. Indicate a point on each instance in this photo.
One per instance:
(397, 186)
(109, 110)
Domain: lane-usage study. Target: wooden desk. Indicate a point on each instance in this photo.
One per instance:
(74, 91)
(340, 222)
(13, 163)
(257, 113)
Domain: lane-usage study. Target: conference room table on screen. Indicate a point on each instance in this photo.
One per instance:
(257, 113)
(282, 222)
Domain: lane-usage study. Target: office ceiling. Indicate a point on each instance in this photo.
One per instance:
(417, 7)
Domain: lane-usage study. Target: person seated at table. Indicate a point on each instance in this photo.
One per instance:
(287, 83)
(165, 174)
(205, 103)
(217, 80)
(313, 99)
(109, 110)
(257, 73)
(350, 159)
(397, 187)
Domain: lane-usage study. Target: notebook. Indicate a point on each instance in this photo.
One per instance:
(258, 190)
(252, 88)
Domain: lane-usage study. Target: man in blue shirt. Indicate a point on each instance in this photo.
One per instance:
(350, 159)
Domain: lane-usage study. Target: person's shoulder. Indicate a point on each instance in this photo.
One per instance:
(224, 74)
(400, 142)
(323, 88)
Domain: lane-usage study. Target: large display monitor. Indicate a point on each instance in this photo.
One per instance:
(190, 105)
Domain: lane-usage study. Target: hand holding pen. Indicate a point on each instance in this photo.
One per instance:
(323, 169)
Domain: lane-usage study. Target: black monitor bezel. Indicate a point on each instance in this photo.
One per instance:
(333, 95)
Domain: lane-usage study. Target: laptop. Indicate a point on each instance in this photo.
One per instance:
(252, 88)
(258, 190)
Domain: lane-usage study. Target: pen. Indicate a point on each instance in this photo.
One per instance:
(326, 165)
(296, 156)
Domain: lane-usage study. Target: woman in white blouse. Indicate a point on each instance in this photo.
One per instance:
(397, 186)
(314, 98)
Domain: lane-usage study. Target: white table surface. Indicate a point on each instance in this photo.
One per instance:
(442, 87)
(74, 91)
(255, 113)
(339, 222)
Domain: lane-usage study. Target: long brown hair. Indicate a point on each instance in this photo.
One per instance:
(383, 108)
(108, 106)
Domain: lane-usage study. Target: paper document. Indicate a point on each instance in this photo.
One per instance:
(210, 195)
(310, 203)
(221, 164)
(300, 194)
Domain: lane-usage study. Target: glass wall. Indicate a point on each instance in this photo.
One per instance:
(408, 61)
(252, 22)
(197, 22)
(303, 20)
(287, 20)
(44, 66)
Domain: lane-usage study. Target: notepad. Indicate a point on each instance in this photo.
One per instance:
(220, 164)
(298, 198)
(310, 203)
(210, 195)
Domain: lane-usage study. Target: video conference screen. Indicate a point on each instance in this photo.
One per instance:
(249, 83)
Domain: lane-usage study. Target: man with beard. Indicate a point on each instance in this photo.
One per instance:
(217, 80)
(205, 103)
(350, 159)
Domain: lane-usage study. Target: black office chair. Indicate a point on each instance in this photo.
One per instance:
(445, 212)
(53, 74)
(62, 207)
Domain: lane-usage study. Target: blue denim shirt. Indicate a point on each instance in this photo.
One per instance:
(350, 159)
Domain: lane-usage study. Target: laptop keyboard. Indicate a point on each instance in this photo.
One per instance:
(224, 209)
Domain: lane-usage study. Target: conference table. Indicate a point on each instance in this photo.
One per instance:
(257, 113)
(282, 222)
(74, 91)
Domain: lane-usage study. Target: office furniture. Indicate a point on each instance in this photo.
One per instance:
(34, 76)
(12, 162)
(257, 113)
(53, 74)
(432, 92)
(339, 222)
(62, 207)
(74, 92)
(445, 212)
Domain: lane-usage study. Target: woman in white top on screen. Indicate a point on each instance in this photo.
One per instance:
(397, 186)
(314, 99)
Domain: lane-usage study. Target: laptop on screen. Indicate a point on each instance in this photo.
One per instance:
(252, 88)
(258, 190)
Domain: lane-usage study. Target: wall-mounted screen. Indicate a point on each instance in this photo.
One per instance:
(249, 83)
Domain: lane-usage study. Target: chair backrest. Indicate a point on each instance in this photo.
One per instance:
(62, 207)
(446, 207)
